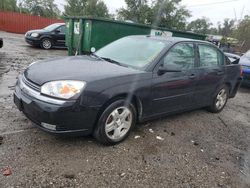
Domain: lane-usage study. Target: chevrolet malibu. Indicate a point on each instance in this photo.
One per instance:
(131, 80)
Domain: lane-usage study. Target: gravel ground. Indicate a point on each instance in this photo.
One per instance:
(200, 149)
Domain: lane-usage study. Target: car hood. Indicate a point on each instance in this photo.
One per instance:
(83, 68)
(37, 31)
(244, 61)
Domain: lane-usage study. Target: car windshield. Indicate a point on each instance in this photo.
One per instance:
(131, 51)
(51, 27)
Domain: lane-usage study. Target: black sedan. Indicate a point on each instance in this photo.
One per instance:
(48, 37)
(131, 80)
(1, 42)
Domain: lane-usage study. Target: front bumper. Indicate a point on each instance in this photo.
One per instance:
(68, 118)
(33, 41)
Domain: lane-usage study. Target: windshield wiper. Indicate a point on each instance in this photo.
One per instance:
(93, 54)
(113, 61)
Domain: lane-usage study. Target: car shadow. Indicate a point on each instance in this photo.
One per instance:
(139, 128)
(168, 118)
(53, 48)
(244, 88)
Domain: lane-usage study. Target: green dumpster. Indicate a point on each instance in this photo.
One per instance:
(86, 34)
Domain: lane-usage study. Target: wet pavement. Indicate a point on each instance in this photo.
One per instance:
(197, 149)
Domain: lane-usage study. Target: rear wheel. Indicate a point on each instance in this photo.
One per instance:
(46, 43)
(115, 123)
(219, 100)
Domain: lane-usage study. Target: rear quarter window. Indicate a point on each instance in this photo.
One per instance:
(210, 56)
(227, 61)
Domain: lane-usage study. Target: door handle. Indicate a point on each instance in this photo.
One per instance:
(219, 72)
(192, 76)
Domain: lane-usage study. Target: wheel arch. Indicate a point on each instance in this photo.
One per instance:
(128, 98)
(47, 37)
(229, 86)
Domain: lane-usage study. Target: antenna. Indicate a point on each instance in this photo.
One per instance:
(242, 12)
(235, 15)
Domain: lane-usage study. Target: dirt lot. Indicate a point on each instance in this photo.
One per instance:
(199, 149)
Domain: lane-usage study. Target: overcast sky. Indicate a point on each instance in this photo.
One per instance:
(215, 10)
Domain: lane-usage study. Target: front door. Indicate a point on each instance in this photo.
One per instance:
(59, 35)
(175, 89)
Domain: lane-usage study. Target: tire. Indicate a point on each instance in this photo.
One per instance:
(46, 43)
(115, 123)
(220, 100)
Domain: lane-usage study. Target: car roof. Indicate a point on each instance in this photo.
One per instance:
(58, 24)
(170, 39)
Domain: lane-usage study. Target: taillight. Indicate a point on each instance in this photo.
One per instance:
(241, 71)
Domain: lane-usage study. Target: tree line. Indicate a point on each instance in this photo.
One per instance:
(162, 13)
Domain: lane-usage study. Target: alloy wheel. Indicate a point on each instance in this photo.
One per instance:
(221, 99)
(47, 44)
(118, 123)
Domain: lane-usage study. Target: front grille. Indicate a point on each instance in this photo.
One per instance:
(30, 84)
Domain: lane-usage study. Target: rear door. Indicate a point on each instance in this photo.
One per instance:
(173, 91)
(211, 72)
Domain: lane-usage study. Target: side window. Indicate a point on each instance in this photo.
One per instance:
(180, 57)
(210, 56)
(62, 29)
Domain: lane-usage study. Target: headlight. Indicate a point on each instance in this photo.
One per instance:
(34, 34)
(64, 89)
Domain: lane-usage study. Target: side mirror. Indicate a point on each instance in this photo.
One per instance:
(57, 31)
(162, 70)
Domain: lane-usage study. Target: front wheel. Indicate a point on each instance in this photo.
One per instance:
(219, 100)
(46, 44)
(115, 123)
